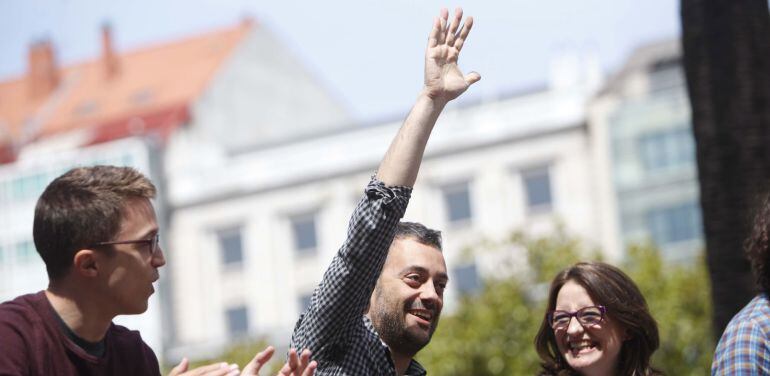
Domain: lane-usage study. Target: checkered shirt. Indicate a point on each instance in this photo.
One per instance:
(334, 327)
(745, 345)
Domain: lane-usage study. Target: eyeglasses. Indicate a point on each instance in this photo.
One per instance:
(586, 316)
(152, 242)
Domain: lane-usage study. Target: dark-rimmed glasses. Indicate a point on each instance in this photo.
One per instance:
(152, 242)
(586, 316)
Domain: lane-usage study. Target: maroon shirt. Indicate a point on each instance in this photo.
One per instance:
(32, 343)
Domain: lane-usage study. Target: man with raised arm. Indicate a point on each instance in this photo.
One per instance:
(380, 299)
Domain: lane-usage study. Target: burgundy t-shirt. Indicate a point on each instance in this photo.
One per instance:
(32, 343)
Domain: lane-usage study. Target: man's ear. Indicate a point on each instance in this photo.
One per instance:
(85, 263)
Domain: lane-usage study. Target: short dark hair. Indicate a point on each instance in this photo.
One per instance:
(419, 233)
(758, 246)
(81, 208)
(625, 304)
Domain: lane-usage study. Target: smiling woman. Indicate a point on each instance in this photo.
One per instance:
(597, 323)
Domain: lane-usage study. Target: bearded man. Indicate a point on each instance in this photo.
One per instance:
(380, 299)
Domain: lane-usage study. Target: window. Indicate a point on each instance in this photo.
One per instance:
(667, 149)
(537, 188)
(127, 160)
(28, 186)
(466, 278)
(458, 202)
(675, 223)
(231, 245)
(5, 191)
(666, 74)
(25, 253)
(237, 321)
(304, 233)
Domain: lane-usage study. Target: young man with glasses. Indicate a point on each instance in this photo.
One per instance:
(96, 231)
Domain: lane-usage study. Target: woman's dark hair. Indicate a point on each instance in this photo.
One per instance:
(758, 246)
(610, 287)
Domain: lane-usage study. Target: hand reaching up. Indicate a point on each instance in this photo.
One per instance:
(443, 78)
(296, 365)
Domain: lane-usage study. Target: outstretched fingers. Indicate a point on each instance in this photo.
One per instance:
(264, 356)
(181, 367)
(463, 35)
(216, 369)
(434, 33)
(452, 29)
(291, 364)
(442, 30)
(304, 359)
(299, 364)
(252, 369)
(310, 370)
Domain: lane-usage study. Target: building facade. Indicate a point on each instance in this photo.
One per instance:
(252, 235)
(643, 143)
(259, 167)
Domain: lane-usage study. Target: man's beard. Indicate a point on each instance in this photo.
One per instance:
(389, 319)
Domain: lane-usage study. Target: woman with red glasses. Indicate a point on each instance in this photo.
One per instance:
(597, 323)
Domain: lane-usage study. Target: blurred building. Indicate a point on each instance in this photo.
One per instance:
(233, 87)
(643, 144)
(253, 231)
(259, 167)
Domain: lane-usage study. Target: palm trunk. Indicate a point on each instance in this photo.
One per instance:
(726, 46)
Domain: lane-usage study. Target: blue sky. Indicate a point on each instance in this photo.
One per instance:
(369, 53)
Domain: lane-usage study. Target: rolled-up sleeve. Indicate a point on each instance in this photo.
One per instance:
(342, 296)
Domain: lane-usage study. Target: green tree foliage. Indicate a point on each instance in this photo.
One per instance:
(492, 332)
(680, 300)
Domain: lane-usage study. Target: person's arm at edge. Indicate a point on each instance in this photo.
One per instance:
(738, 350)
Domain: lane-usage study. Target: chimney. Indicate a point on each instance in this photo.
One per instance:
(42, 72)
(110, 64)
(247, 21)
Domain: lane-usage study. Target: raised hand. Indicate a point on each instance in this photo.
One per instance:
(296, 365)
(216, 369)
(443, 79)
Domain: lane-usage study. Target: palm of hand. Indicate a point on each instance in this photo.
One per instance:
(443, 78)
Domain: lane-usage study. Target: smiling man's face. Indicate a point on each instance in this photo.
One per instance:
(407, 301)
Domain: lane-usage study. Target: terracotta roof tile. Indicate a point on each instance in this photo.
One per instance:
(149, 81)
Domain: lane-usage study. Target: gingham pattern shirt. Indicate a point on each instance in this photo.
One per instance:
(744, 348)
(334, 327)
